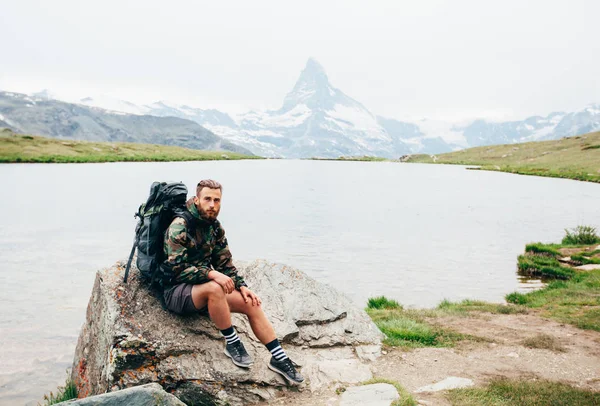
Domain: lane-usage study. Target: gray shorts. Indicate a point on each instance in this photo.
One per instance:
(178, 299)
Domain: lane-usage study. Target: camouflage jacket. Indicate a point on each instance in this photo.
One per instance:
(192, 257)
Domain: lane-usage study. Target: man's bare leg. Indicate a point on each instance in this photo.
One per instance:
(261, 326)
(263, 330)
(212, 294)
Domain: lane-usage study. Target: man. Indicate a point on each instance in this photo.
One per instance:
(207, 281)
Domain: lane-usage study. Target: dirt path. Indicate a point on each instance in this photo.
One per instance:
(501, 352)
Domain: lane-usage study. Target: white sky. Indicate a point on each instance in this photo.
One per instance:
(402, 59)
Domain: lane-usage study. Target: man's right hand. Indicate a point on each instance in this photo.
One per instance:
(225, 281)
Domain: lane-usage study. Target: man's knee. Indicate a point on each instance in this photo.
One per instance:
(211, 290)
(250, 310)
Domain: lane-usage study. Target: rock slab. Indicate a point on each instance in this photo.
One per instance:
(151, 394)
(129, 339)
(588, 267)
(378, 394)
(452, 382)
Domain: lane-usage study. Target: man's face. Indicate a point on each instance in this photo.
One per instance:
(208, 203)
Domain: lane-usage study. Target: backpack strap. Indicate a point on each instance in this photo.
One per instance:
(135, 243)
(189, 218)
(190, 222)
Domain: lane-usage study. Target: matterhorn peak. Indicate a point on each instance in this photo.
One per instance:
(312, 88)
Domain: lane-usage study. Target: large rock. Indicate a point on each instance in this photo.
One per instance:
(151, 394)
(129, 339)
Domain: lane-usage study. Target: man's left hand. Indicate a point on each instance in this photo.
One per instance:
(247, 294)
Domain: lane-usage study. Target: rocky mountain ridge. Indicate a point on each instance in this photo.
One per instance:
(52, 118)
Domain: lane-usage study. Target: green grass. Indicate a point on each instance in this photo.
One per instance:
(575, 301)
(415, 328)
(584, 259)
(382, 302)
(572, 158)
(572, 296)
(584, 235)
(63, 393)
(543, 266)
(468, 305)
(505, 392)
(15, 148)
(406, 399)
(540, 248)
(409, 328)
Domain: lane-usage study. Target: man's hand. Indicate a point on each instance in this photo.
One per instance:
(247, 294)
(225, 281)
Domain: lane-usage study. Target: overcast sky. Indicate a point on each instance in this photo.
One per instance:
(401, 59)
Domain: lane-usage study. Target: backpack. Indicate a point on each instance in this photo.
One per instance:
(166, 201)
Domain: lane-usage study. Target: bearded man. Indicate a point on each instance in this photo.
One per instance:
(206, 281)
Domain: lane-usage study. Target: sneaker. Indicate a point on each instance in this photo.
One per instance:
(287, 369)
(238, 354)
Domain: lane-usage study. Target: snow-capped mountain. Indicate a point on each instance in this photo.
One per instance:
(41, 115)
(315, 120)
(319, 120)
(554, 126)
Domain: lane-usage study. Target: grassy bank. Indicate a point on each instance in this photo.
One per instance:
(573, 158)
(571, 295)
(505, 392)
(16, 148)
(416, 328)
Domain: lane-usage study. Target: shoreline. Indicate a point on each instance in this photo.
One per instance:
(575, 158)
(21, 148)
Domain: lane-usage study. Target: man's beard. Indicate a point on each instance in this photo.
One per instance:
(208, 215)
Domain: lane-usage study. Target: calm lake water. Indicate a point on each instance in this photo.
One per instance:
(415, 233)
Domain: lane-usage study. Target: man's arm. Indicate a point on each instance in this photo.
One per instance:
(176, 246)
(221, 259)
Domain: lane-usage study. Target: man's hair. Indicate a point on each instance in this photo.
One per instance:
(209, 183)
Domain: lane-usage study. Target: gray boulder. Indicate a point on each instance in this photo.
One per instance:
(151, 394)
(129, 339)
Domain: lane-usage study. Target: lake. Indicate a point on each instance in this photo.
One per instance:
(415, 233)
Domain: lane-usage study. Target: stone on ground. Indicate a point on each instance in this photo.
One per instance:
(151, 394)
(129, 339)
(378, 394)
(588, 267)
(452, 382)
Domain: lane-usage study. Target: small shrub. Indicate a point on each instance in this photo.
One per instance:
(382, 302)
(581, 235)
(545, 342)
(63, 393)
(516, 298)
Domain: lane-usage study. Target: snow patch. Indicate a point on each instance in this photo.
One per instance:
(357, 119)
(291, 118)
(444, 130)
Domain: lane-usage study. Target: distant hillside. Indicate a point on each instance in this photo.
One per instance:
(54, 118)
(27, 148)
(572, 157)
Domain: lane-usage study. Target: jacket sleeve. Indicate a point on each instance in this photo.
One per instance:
(177, 242)
(221, 259)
